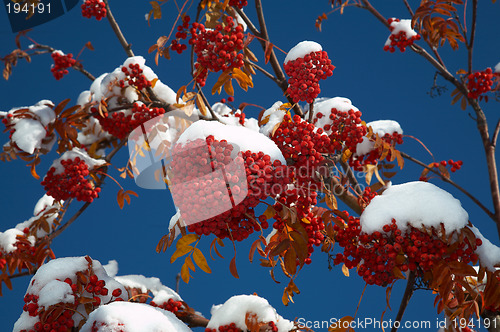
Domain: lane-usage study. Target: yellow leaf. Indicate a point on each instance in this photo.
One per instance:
(200, 260)
(220, 82)
(186, 240)
(345, 270)
(185, 273)
(228, 87)
(181, 90)
(180, 252)
(156, 10)
(189, 262)
(201, 105)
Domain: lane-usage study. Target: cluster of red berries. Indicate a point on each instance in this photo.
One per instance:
(216, 193)
(399, 40)
(366, 197)
(230, 99)
(119, 124)
(232, 328)
(305, 73)
(171, 305)
(374, 155)
(301, 142)
(216, 49)
(62, 322)
(344, 130)
(72, 182)
(238, 3)
(479, 83)
(180, 34)
(241, 117)
(95, 288)
(134, 77)
(454, 166)
(96, 8)
(380, 255)
(61, 63)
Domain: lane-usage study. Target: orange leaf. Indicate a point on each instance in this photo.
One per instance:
(341, 325)
(186, 240)
(228, 88)
(200, 260)
(232, 268)
(180, 252)
(89, 46)
(268, 51)
(185, 273)
(291, 261)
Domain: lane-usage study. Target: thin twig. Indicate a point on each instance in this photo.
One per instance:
(351, 177)
(405, 300)
(177, 282)
(116, 28)
(205, 100)
(247, 21)
(472, 34)
(345, 196)
(474, 199)
(56, 233)
(263, 71)
(22, 274)
(408, 7)
(495, 134)
(311, 112)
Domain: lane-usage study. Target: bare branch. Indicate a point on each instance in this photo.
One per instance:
(263, 71)
(118, 32)
(247, 21)
(472, 34)
(345, 196)
(495, 134)
(408, 7)
(405, 300)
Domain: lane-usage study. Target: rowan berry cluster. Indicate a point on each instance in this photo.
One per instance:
(366, 197)
(479, 83)
(382, 256)
(96, 8)
(233, 328)
(121, 123)
(374, 155)
(238, 3)
(454, 166)
(134, 77)
(237, 187)
(301, 142)
(400, 39)
(171, 305)
(216, 49)
(305, 73)
(72, 182)
(61, 63)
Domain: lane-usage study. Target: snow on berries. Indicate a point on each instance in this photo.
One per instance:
(306, 64)
(234, 314)
(402, 35)
(220, 174)
(94, 8)
(28, 128)
(217, 49)
(61, 64)
(479, 83)
(56, 294)
(130, 316)
(68, 177)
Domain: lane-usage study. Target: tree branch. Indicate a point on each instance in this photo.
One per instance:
(405, 300)
(409, 8)
(495, 134)
(472, 34)
(118, 32)
(345, 196)
(263, 71)
(247, 21)
(474, 199)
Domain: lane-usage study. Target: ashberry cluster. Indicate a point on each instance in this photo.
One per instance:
(134, 77)
(72, 182)
(96, 8)
(366, 197)
(181, 34)
(171, 305)
(374, 155)
(216, 49)
(382, 256)
(454, 166)
(401, 36)
(345, 129)
(479, 83)
(121, 123)
(217, 193)
(305, 73)
(61, 63)
(238, 3)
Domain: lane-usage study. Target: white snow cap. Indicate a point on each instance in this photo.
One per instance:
(380, 127)
(274, 116)
(416, 203)
(43, 205)
(129, 316)
(497, 68)
(489, 254)
(302, 49)
(72, 154)
(244, 138)
(160, 292)
(324, 106)
(402, 25)
(234, 310)
(8, 240)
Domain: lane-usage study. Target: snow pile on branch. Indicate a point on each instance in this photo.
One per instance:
(160, 292)
(235, 310)
(8, 240)
(244, 138)
(227, 116)
(76, 153)
(271, 118)
(415, 203)
(325, 105)
(29, 132)
(106, 85)
(128, 316)
(401, 26)
(302, 49)
(48, 209)
(489, 254)
(379, 127)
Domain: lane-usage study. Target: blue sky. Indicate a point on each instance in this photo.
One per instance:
(382, 85)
